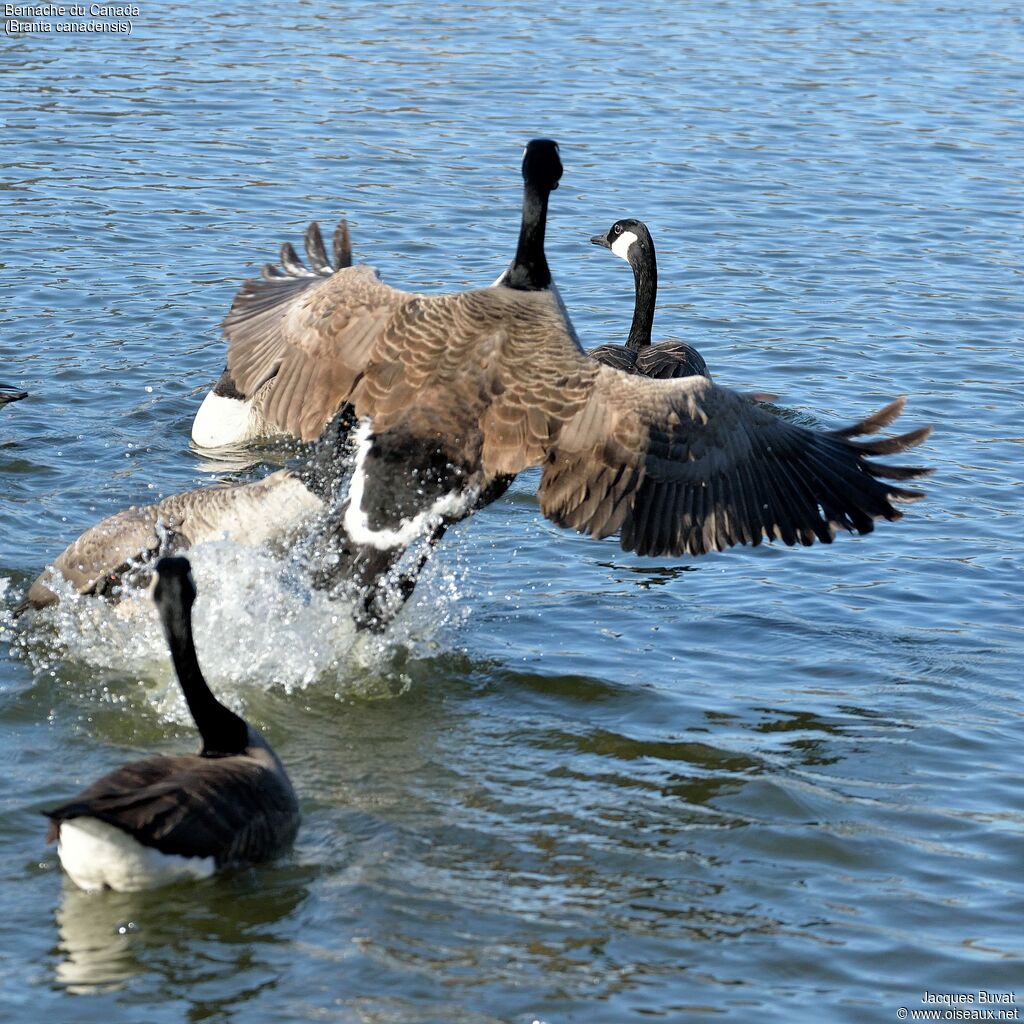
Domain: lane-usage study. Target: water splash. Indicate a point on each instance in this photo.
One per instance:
(258, 625)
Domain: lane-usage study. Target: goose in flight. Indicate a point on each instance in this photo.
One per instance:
(456, 394)
(630, 240)
(229, 417)
(165, 819)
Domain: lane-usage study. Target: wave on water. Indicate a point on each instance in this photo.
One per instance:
(257, 624)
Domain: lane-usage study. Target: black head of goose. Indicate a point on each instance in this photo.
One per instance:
(455, 394)
(227, 416)
(10, 394)
(630, 240)
(165, 819)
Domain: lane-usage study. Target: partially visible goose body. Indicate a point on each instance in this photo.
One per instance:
(227, 416)
(455, 394)
(118, 552)
(630, 240)
(11, 394)
(167, 819)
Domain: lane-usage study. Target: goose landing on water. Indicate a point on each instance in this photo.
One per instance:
(630, 240)
(166, 819)
(456, 394)
(228, 417)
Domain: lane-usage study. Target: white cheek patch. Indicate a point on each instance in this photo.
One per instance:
(97, 855)
(357, 524)
(621, 245)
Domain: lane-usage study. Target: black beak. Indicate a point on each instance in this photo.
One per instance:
(601, 240)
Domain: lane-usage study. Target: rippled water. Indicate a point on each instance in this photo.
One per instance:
(573, 785)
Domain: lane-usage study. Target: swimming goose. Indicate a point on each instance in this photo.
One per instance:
(455, 394)
(630, 240)
(167, 819)
(228, 417)
(11, 394)
(119, 551)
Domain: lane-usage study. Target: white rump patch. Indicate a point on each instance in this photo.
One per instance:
(357, 524)
(621, 245)
(97, 855)
(223, 421)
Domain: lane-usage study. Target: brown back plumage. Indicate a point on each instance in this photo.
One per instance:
(232, 809)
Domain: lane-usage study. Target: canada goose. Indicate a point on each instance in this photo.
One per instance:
(457, 393)
(630, 240)
(165, 819)
(228, 417)
(119, 551)
(11, 394)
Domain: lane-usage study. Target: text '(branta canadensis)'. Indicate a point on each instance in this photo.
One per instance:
(457, 393)
(166, 819)
(630, 240)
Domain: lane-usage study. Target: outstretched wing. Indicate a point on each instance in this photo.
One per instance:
(686, 466)
(117, 545)
(311, 331)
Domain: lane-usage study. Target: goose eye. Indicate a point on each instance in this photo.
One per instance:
(616, 229)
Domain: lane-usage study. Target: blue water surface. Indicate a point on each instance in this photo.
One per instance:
(572, 785)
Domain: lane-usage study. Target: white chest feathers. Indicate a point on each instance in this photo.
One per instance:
(357, 524)
(96, 855)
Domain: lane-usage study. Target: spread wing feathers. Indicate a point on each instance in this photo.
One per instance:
(310, 330)
(686, 467)
(670, 359)
(232, 809)
(320, 266)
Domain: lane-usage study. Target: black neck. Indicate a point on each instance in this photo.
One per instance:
(529, 270)
(223, 732)
(324, 468)
(645, 276)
